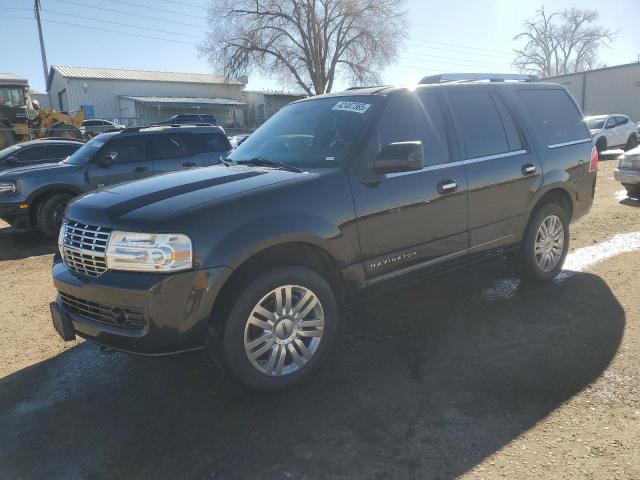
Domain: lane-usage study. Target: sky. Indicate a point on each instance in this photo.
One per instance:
(443, 36)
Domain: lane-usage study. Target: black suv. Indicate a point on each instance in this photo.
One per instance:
(37, 151)
(334, 195)
(36, 196)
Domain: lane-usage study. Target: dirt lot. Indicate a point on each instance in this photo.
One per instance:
(471, 376)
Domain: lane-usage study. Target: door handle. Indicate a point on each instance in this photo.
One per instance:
(528, 169)
(140, 169)
(188, 164)
(447, 186)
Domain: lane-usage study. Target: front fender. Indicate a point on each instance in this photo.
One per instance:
(277, 228)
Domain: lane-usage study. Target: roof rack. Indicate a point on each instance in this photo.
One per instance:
(475, 77)
(172, 125)
(362, 87)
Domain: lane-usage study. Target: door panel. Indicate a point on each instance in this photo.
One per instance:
(130, 162)
(405, 220)
(503, 174)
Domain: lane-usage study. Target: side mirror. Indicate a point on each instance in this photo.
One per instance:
(106, 161)
(399, 157)
(610, 125)
(12, 160)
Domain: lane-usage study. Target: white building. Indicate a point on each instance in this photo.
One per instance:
(262, 105)
(605, 90)
(139, 97)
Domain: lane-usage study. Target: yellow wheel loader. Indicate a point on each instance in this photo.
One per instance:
(22, 119)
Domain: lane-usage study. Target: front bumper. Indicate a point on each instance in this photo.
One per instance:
(627, 176)
(15, 214)
(176, 308)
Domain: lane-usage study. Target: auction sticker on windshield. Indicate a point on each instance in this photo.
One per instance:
(355, 107)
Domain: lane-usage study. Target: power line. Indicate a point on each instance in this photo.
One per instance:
(15, 18)
(183, 4)
(466, 47)
(173, 12)
(131, 14)
(121, 33)
(120, 24)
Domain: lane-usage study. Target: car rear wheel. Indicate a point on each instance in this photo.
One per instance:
(601, 145)
(545, 244)
(280, 329)
(51, 213)
(633, 190)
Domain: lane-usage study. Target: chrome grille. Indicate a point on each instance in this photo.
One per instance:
(83, 247)
(125, 317)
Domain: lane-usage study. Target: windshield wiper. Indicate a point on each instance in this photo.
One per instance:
(265, 162)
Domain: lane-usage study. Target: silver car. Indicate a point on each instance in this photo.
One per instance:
(628, 172)
(93, 127)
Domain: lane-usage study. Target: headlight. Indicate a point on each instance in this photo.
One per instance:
(9, 188)
(630, 162)
(149, 252)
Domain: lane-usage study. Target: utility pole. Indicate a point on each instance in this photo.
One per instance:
(45, 68)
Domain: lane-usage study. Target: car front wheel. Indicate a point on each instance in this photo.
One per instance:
(545, 244)
(280, 329)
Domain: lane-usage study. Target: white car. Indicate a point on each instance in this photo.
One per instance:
(612, 131)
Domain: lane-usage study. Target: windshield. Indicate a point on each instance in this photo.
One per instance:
(314, 133)
(86, 152)
(595, 123)
(12, 96)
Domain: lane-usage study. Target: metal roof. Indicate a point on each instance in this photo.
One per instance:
(141, 75)
(12, 78)
(186, 100)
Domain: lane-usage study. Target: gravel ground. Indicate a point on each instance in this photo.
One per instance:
(470, 375)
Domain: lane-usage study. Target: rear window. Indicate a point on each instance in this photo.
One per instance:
(555, 115)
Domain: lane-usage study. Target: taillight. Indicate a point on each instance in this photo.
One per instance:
(593, 166)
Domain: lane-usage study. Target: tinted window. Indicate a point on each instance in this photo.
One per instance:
(63, 151)
(622, 120)
(611, 122)
(33, 153)
(555, 115)
(170, 145)
(126, 149)
(210, 142)
(479, 123)
(411, 118)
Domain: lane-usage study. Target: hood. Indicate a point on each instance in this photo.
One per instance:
(151, 203)
(593, 131)
(39, 170)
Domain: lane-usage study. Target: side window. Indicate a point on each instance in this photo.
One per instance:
(413, 117)
(170, 145)
(479, 123)
(63, 151)
(33, 153)
(210, 142)
(622, 120)
(611, 122)
(555, 116)
(127, 149)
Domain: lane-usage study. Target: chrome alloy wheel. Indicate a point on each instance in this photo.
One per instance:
(284, 330)
(549, 243)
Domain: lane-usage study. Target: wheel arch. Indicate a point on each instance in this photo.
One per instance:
(37, 197)
(302, 253)
(556, 193)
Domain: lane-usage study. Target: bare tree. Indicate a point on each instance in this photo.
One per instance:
(562, 42)
(305, 42)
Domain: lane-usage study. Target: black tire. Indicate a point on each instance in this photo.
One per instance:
(633, 191)
(526, 263)
(51, 213)
(230, 346)
(632, 142)
(7, 138)
(601, 145)
(65, 130)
